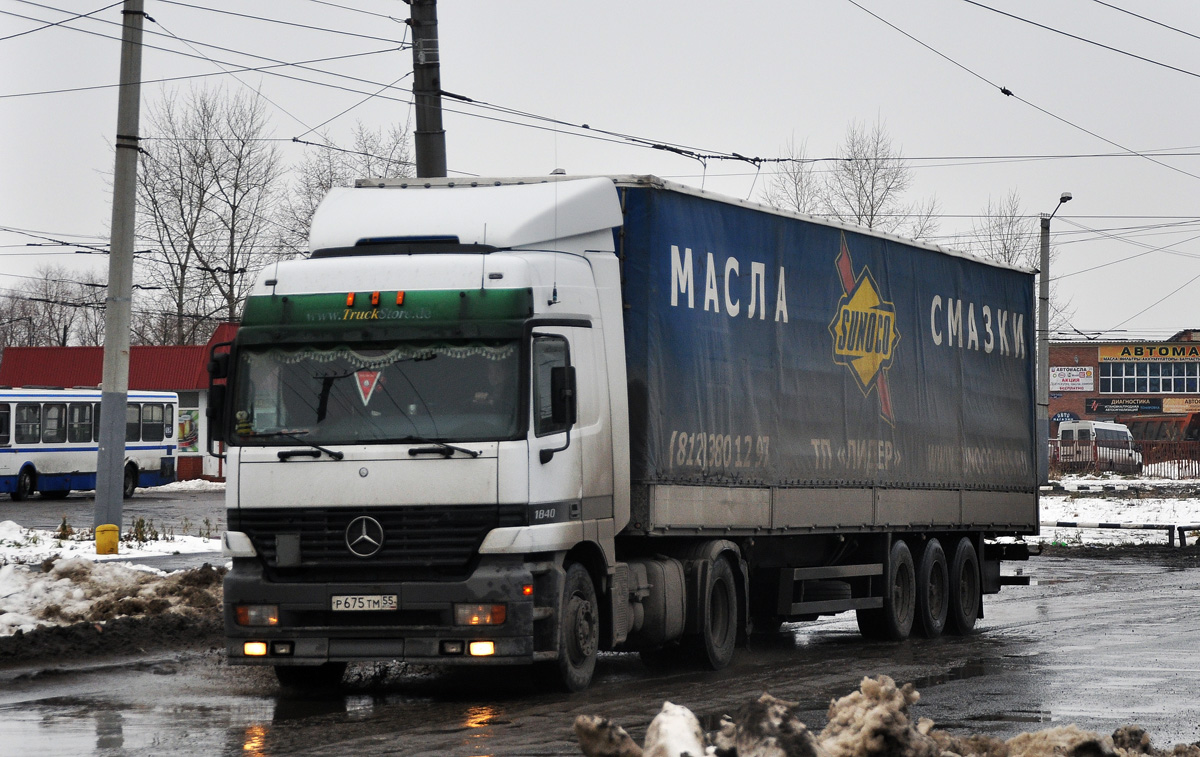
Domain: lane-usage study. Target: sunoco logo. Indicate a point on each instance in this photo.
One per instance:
(864, 331)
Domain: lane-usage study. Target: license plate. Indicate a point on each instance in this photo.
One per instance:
(364, 602)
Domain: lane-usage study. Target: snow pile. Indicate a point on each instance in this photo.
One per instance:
(77, 590)
(30, 546)
(871, 722)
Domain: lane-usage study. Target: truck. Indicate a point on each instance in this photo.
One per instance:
(525, 421)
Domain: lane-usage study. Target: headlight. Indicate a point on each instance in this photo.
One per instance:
(479, 615)
(256, 615)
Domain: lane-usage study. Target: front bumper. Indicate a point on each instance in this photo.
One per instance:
(420, 630)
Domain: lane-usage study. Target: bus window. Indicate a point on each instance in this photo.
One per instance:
(169, 421)
(133, 423)
(152, 423)
(96, 422)
(79, 423)
(5, 420)
(54, 427)
(29, 423)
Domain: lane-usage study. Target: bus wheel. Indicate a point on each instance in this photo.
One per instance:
(720, 613)
(130, 482)
(579, 630)
(933, 586)
(964, 588)
(24, 485)
(310, 677)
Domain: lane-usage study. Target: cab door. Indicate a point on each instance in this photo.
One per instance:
(555, 452)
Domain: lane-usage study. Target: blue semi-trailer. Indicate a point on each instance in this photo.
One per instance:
(522, 421)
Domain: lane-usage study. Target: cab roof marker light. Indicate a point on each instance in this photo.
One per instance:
(350, 299)
(399, 298)
(374, 299)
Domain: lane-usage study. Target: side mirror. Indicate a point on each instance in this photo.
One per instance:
(218, 370)
(218, 366)
(563, 406)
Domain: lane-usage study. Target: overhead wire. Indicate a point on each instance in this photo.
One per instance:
(1009, 93)
(51, 24)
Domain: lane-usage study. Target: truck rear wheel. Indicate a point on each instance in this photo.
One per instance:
(720, 612)
(933, 586)
(579, 630)
(894, 620)
(310, 677)
(965, 593)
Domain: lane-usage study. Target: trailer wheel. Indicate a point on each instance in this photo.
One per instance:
(894, 620)
(24, 486)
(933, 587)
(310, 677)
(579, 630)
(965, 593)
(720, 612)
(129, 484)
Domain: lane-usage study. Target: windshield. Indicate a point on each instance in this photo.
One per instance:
(446, 390)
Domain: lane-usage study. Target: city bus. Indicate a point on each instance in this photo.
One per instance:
(49, 440)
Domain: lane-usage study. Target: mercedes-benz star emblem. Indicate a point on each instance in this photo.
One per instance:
(364, 536)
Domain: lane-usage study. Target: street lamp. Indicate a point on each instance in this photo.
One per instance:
(1043, 380)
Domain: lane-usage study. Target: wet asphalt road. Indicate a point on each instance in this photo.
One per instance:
(1096, 642)
(180, 510)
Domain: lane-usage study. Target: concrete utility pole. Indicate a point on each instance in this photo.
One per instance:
(1043, 349)
(115, 387)
(430, 139)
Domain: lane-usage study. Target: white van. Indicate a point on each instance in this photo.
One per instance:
(1097, 446)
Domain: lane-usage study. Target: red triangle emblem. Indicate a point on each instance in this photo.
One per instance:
(366, 382)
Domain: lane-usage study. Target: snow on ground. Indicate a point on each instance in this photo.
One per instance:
(52, 578)
(1115, 499)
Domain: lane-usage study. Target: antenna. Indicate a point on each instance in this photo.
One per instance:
(554, 291)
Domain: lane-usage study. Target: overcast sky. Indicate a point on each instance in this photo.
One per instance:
(1119, 132)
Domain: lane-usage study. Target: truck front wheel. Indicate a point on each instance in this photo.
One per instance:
(719, 635)
(579, 631)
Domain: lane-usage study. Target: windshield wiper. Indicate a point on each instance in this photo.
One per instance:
(440, 448)
(295, 436)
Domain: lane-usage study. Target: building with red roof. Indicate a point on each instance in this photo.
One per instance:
(168, 368)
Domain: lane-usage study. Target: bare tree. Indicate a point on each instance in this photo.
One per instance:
(866, 186)
(247, 172)
(376, 154)
(868, 183)
(176, 184)
(794, 186)
(1007, 235)
(207, 197)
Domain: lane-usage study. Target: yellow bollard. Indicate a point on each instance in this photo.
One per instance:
(108, 537)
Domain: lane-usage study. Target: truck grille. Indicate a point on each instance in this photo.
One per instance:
(420, 541)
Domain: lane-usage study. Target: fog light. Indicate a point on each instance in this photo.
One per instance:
(479, 615)
(255, 649)
(482, 648)
(257, 615)
(452, 647)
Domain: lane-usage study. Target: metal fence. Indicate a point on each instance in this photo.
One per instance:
(1173, 460)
